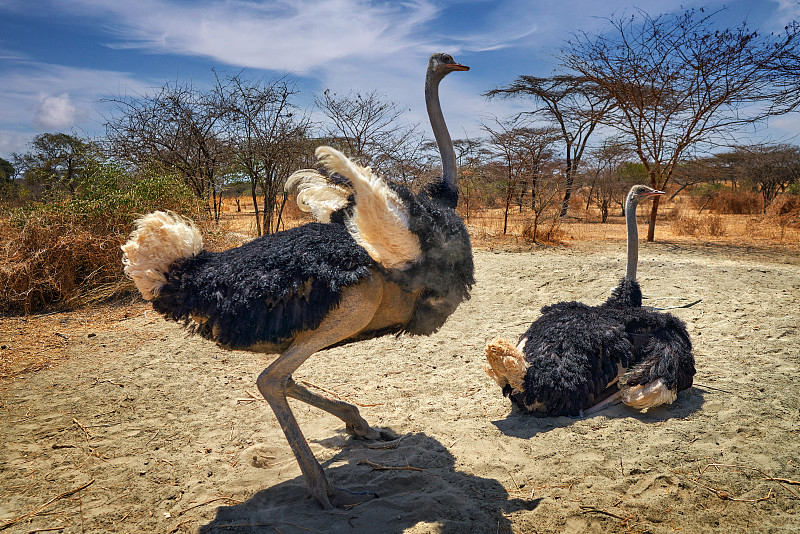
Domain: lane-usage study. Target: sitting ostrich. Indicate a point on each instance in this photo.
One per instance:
(380, 261)
(575, 355)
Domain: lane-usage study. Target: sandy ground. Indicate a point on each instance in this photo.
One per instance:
(145, 429)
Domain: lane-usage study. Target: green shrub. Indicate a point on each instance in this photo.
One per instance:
(66, 253)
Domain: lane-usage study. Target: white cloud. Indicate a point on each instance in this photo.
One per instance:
(56, 112)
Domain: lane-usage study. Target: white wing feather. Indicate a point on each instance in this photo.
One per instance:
(379, 219)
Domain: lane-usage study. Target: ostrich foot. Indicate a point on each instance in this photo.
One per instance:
(367, 432)
(344, 498)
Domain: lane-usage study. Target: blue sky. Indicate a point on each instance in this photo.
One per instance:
(60, 58)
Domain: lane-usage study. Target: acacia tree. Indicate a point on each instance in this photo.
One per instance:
(575, 103)
(56, 161)
(267, 136)
(700, 170)
(769, 169)
(178, 130)
(679, 80)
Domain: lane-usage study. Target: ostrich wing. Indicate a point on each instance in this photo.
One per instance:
(574, 353)
(378, 219)
(663, 351)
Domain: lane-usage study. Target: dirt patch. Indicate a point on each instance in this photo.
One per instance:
(142, 428)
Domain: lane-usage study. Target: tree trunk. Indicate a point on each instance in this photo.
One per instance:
(651, 228)
(568, 190)
(255, 207)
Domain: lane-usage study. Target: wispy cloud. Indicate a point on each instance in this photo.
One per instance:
(343, 45)
(285, 35)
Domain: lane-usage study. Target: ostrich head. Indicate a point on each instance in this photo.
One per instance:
(639, 192)
(440, 65)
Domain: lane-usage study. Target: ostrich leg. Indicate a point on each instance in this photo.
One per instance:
(348, 413)
(355, 311)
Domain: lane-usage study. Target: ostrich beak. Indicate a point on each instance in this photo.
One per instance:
(653, 193)
(457, 66)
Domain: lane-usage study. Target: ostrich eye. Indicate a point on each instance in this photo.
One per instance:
(447, 59)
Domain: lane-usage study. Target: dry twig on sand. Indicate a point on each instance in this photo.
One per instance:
(595, 510)
(45, 505)
(230, 499)
(765, 476)
(379, 467)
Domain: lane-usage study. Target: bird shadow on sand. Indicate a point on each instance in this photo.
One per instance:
(519, 425)
(431, 492)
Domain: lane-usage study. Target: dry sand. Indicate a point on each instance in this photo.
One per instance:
(162, 428)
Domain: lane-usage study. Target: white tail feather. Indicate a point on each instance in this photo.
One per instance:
(159, 240)
(507, 364)
(379, 221)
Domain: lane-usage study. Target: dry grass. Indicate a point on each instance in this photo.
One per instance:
(47, 261)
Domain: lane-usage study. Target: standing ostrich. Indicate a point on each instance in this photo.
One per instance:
(575, 355)
(380, 261)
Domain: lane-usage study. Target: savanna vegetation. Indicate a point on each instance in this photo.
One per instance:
(656, 100)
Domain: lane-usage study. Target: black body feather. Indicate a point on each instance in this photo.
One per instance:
(268, 289)
(627, 293)
(273, 287)
(445, 272)
(573, 352)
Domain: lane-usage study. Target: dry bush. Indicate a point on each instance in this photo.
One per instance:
(734, 202)
(66, 253)
(683, 224)
(550, 234)
(785, 212)
(48, 261)
(785, 206)
(713, 226)
(696, 225)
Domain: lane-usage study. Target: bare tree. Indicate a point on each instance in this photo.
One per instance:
(575, 103)
(503, 144)
(536, 150)
(469, 159)
(522, 150)
(605, 179)
(367, 127)
(679, 80)
(178, 129)
(268, 137)
(544, 204)
(409, 162)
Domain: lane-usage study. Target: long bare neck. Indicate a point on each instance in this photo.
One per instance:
(440, 132)
(633, 238)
